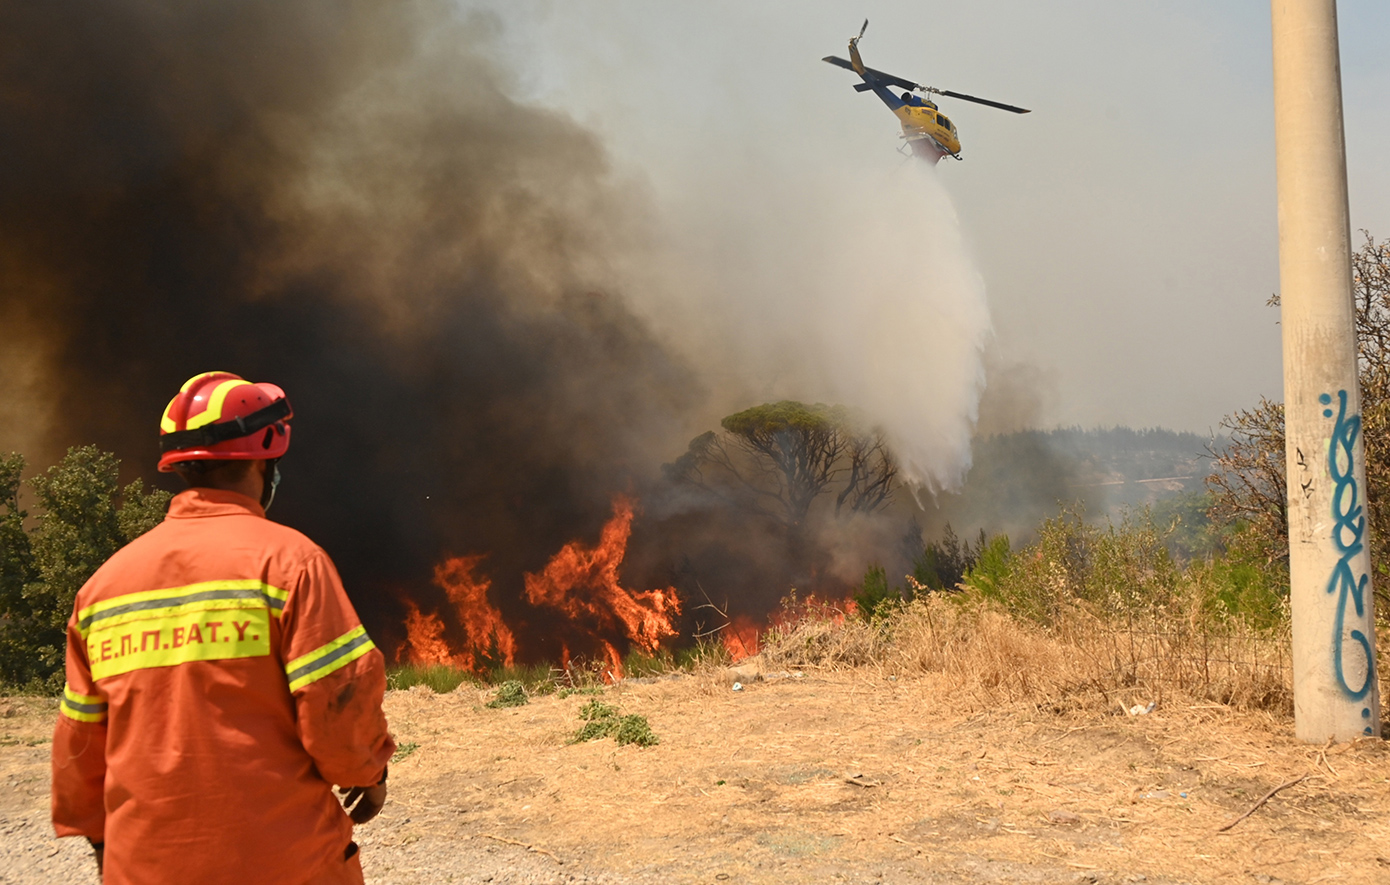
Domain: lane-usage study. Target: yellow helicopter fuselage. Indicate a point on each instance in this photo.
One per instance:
(924, 123)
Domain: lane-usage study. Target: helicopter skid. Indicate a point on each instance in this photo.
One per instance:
(928, 148)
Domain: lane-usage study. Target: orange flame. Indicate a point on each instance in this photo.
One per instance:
(488, 639)
(580, 582)
(424, 645)
(584, 584)
(740, 638)
(487, 634)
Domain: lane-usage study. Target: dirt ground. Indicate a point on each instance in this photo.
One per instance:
(847, 777)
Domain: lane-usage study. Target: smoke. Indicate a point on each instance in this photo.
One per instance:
(852, 287)
(486, 329)
(1020, 396)
(341, 198)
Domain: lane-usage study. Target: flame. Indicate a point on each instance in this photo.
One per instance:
(583, 583)
(424, 645)
(740, 637)
(489, 639)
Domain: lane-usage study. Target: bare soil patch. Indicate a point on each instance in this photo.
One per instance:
(846, 776)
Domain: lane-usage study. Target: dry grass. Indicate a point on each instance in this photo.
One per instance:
(890, 772)
(1080, 661)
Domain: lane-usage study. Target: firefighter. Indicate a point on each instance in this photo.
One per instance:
(218, 679)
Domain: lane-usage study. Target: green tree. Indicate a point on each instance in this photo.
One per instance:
(942, 565)
(874, 597)
(84, 518)
(779, 458)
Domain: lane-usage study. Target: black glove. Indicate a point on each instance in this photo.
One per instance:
(364, 803)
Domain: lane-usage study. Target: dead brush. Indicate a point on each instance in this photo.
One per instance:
(825, 643)
(1080, 660)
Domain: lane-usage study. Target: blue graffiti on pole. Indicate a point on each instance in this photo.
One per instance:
(1348, 533)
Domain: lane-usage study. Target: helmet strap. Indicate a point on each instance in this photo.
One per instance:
(272, 482)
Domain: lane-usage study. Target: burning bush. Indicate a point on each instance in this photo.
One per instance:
(580, 584)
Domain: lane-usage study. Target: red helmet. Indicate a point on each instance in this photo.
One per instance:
(218, 416)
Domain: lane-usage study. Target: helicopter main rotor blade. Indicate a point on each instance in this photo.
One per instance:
(984, 101)
(887, 79)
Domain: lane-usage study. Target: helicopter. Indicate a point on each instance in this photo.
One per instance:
(927, 131)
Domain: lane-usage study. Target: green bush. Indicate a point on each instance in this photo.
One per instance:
(989, 575)
(603, 720)
(1119, 571)
(635, 729)
(1109, 569)
(1232, 587)
(509, 694)
(873, 597)
(596, 710)
(1186, 524)
(84, 517)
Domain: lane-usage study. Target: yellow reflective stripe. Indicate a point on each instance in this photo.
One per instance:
(82, 707)
(89, 699)
(145, 604)
(327, 658)
(166, 423)
(277, 597)
(188, 385)
(167, 637)
(214, 407)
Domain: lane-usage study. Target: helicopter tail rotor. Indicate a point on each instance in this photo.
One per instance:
(857, 63)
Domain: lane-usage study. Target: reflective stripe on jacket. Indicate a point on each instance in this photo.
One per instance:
(218, 682)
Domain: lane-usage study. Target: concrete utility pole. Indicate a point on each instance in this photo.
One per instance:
(1336, 690)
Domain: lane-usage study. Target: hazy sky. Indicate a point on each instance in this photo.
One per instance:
(1125, 230)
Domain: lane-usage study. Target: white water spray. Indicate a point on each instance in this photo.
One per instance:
(846, 287)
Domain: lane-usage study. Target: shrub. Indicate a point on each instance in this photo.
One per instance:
(509, 694)
(85, 517)
(596, 710)
(634, 729)
(1109, 570)
(988, 575)
(873, 597)
(603, 720)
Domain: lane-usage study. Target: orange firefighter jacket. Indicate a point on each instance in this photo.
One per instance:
(218, 681)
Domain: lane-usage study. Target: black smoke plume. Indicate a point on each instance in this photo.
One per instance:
(341, 198)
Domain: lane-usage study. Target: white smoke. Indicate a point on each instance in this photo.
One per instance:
(850, 286)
